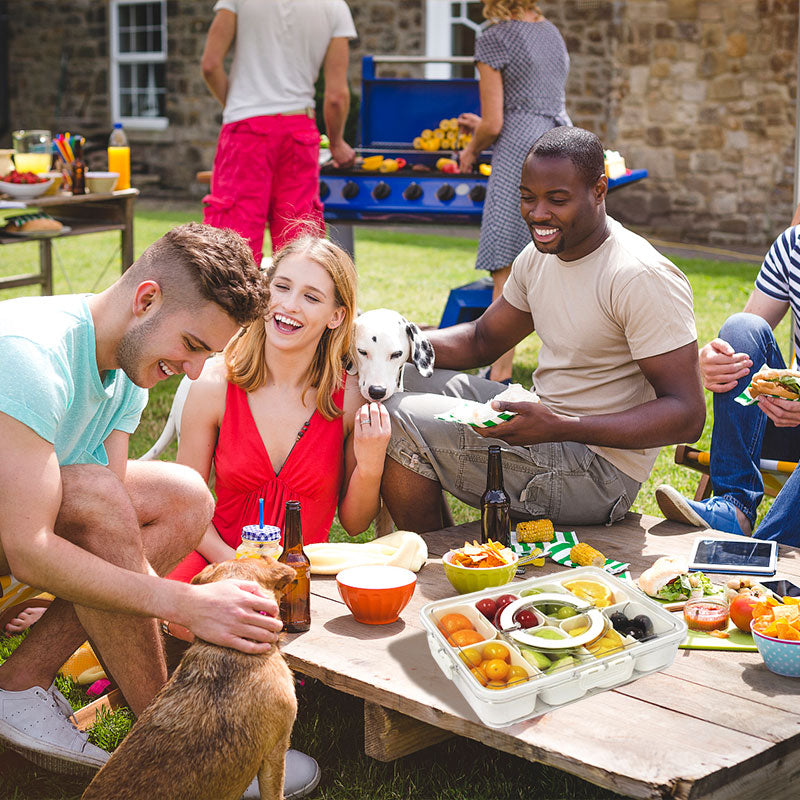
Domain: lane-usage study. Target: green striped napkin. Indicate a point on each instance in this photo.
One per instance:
(478, 415)
(562, 543)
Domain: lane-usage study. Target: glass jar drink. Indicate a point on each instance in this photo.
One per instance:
(32, 150)
(260, 542)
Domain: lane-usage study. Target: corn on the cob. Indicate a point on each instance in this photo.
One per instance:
(584, 555)
(536, 530)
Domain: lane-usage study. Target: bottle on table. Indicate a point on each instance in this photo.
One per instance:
(119, 156)
(78, 168)
(260, 541)
(495, 503)
(295, 604)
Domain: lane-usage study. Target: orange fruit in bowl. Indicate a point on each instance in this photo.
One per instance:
(450, 623)
(464, 638)
(496, 650)
(496, 669)
(471, 656)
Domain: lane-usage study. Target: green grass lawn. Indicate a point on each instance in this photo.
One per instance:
(412, 273)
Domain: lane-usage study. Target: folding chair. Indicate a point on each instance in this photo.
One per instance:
(774, 473)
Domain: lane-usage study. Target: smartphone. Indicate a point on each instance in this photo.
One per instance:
(745, 556)
(782, 588)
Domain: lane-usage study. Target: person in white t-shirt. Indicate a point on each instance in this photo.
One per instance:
(266, 169)
(617, 375)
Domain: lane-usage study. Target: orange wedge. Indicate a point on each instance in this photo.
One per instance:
(595, 592)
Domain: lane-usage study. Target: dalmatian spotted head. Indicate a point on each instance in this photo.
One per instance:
(383, 341)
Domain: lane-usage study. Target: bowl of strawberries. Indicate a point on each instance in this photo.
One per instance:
(24, 185)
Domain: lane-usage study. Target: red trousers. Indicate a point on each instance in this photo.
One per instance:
(267, 171)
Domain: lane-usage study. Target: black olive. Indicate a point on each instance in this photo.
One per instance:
(633, 630)
(619, 620)
(644, 622)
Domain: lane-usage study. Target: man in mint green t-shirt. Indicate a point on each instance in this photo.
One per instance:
(79, 520)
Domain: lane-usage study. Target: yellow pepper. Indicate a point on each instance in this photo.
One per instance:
(431, 144)
(485, 169)
(417, 143)
(426, 134)
(372, 163)
(389, 165)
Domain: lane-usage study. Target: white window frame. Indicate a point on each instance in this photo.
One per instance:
(439, 21)
(118, 59)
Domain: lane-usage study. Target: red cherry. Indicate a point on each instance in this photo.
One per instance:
(526, 618)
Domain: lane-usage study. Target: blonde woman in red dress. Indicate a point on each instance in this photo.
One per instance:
(279, 418)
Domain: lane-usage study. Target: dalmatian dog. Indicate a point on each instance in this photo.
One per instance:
(383, 341)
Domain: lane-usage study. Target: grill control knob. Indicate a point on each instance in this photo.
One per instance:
(350, 190)
(413, 191)
(477, 193)
(445, 192)
(382, 191)
(324, 190)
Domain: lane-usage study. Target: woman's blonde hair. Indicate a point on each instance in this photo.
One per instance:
(500, 10)
(245, 358)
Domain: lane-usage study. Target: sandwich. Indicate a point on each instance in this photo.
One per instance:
(669, 579)
(776, 383)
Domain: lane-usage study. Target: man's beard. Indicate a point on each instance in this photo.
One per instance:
(130, 347)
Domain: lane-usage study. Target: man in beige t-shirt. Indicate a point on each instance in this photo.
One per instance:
(617, 377)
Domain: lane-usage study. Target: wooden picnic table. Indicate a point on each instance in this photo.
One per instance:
(715, 724)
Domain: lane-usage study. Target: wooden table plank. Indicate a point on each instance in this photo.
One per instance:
(701, 728)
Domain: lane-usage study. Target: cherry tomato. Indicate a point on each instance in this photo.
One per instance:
(487, 607)
(526, 618)
(494, 650)
(495, 669)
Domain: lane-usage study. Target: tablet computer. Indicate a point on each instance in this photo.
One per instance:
(745, 556)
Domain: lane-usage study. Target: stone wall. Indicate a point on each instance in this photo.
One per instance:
(701, 93)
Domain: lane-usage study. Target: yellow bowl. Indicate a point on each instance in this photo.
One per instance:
(58, 179)
(473, 579)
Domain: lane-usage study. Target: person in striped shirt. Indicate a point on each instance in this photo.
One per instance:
(743, 434)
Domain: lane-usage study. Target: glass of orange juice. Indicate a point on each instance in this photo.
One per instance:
(32, 150)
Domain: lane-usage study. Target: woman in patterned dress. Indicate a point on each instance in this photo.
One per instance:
(523, 64)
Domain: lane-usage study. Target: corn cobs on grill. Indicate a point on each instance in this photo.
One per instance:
(584, 555)
(537, 530)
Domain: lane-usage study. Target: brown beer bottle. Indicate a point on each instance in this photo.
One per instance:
(78, 169)
(296, 600)
(495, 503)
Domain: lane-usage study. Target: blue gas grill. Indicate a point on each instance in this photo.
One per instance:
(393, 112)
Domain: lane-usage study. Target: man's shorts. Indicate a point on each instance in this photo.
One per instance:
(563, 481)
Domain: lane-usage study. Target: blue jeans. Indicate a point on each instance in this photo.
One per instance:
(742, 434)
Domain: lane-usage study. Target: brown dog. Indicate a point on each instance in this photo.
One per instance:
(222, 718)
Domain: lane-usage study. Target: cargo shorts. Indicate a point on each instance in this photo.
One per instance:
(563, 481)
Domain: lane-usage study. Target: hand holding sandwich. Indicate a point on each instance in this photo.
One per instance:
(778, 393)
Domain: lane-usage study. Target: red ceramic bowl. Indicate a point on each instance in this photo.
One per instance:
(376, 595)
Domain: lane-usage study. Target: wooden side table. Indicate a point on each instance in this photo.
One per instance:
(88, 213)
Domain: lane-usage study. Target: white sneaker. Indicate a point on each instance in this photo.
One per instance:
(37, 724)
(301, 777)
